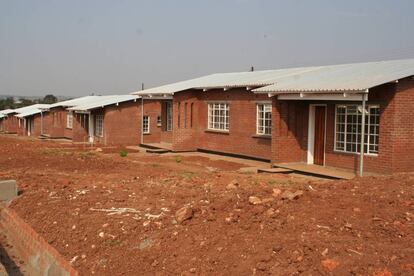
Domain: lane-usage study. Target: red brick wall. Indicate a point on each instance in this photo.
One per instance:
(403, 130)
(241, 136)
(289, 128)
(39, 257)
(80, 128)
(11, 124)
(57, 126)
(152, 108)
(122, 124)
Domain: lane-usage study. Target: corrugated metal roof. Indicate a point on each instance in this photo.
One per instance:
(226, 80)
(344, 77)
(76, 101)
(31, 110)
(103, 101)
(29, 107)
(356, 77)
(7, 111)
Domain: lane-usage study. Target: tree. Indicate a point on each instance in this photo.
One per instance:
(49, 99)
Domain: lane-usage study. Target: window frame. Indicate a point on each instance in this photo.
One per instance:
(368, 126)
(258, 126)
(97, 118)
(169, 116)
(69, 114)
(225, 123)
(146, 131)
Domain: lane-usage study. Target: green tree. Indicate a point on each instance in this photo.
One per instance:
(49, 99)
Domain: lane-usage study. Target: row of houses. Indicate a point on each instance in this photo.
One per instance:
(322, 115)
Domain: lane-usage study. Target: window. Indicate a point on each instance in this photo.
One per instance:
(169, 115)
(179, 115)
(218, 116)
(191, 115)
(348, 128)
(185, 115)
(69, 119)
(146, 124)
(159, 122)
(99, 125)
(264, 119)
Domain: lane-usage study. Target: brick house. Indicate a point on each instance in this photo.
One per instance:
(9, 123)
(311, 115)
(60, 118)
(14, 123)
(117, 120)
(32, 121)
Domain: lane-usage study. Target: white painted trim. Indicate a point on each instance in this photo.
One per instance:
(311, 133)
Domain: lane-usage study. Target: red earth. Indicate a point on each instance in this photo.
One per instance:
(113, 215)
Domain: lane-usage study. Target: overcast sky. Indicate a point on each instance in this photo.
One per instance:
(75, 48)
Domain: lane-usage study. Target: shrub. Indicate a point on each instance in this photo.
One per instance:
(123, 153)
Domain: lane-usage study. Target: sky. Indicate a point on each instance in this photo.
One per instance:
(79, 47)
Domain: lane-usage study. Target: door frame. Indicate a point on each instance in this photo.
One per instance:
(311, 133)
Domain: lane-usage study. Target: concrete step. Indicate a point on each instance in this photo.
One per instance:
(274, 170)
(159, 151)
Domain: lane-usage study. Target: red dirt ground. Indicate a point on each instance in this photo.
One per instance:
(359, 227)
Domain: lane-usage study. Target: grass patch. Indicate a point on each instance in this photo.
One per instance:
(114, 242)
(187, 175)
(123, 153)
(87, 155)
(56, 152)
(280, 182)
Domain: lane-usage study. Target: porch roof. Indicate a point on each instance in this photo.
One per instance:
(7, 111)
(103, 101)
(74, 102)
(31, 110)
(345, 78)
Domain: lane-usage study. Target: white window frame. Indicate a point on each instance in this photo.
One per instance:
(146, 124)
(99, 125)
(159, 120)
(69, 120)
(261, 128)
(368, 134)
(216, 120)
(169, 116)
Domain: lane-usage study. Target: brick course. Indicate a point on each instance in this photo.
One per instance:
(39, 257)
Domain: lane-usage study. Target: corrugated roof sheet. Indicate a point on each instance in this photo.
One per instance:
(31, 110)
(344, 77)
(76, 101)
(7, 111)
(103, 101)
(226, 80)
(356, 77)
(29, 107)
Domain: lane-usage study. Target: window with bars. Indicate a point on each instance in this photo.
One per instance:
(69, 120)
(169, 118)
(348, 128)
(99, 125)
(264, 119)
(146, 124)
(218, 116)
